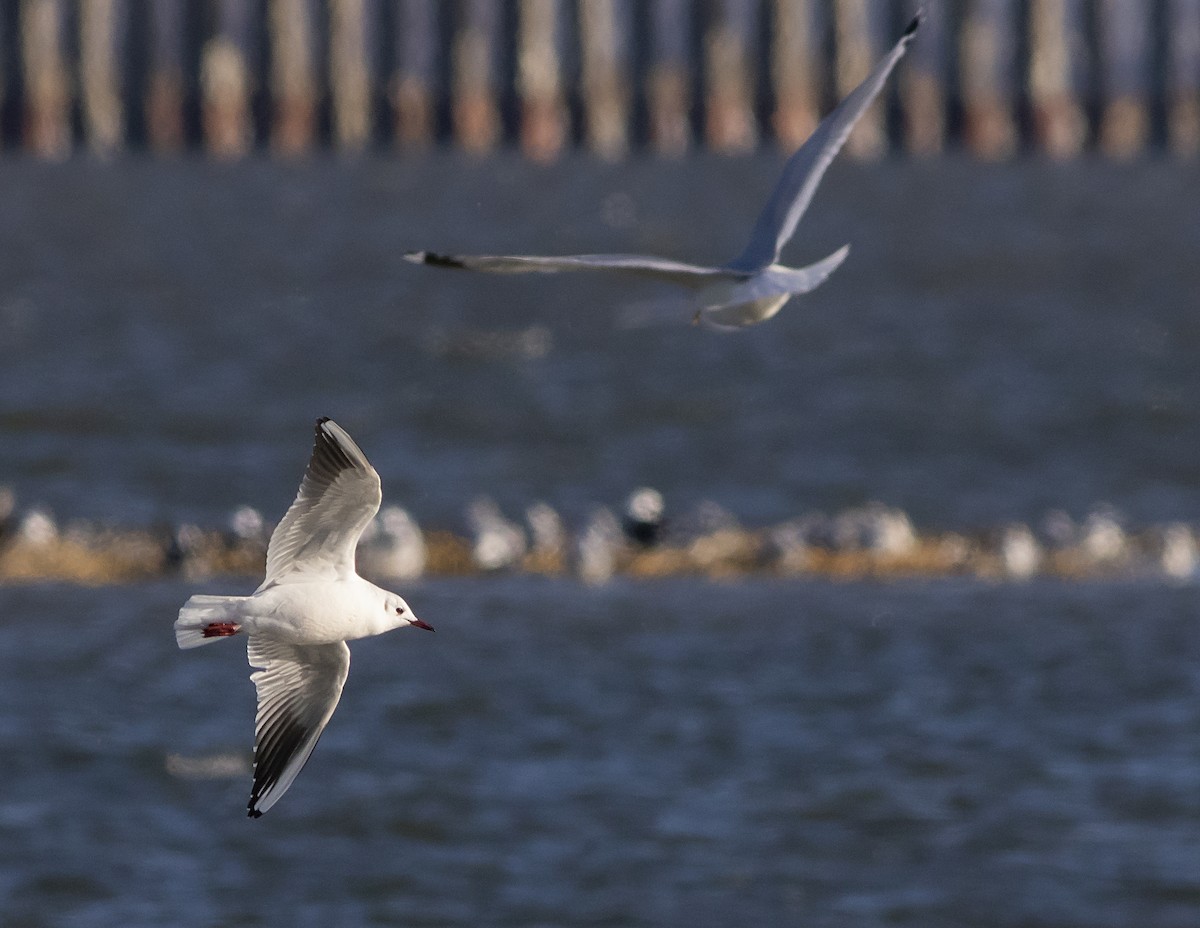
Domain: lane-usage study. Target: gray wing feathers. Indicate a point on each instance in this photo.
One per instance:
(804, 170)
(339, 495)
(298, 688)
(635, 265)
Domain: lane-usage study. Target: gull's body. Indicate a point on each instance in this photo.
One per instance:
(753, 286)
(310, 604)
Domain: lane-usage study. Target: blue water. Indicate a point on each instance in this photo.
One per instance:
(662, 754)
(1002, 341)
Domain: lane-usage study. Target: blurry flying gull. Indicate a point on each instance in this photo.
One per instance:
(310, 604)
(753, 286)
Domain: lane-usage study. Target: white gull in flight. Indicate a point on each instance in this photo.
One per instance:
(753, 286)
(310, 604)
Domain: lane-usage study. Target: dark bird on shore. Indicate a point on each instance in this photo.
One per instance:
(644, 520)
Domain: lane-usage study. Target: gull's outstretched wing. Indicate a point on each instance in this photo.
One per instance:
(804, 170)
(338, 496)
(689, 275)
(298, 688)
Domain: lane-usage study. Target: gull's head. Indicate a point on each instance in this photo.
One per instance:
(402, 613)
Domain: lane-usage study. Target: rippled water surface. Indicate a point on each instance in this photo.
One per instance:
(673, 753)
(1002, 341)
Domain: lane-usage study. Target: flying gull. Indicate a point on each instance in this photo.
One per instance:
(310, 604)
(753, 286)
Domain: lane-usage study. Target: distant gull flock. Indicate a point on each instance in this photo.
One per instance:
(869, 541)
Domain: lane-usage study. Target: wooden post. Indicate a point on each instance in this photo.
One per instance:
(668, 83)
(856, 31)
(474, 112)
(604, 32)
(164, 92)
(539, 81)
(795, 72)
(1055, 49)
(5, 87)
(293, 75)
(225, 82)
(350, 73)
(1183, 77)
(922, 83)
(47, 86)
(102, 25)
(412, 86)
(1124, 33)
(988, 69)
(729, 45)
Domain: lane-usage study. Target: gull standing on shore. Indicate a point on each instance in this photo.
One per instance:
(310, 604)
(753, 286)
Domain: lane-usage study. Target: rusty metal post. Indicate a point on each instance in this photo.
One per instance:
(350, 68)
(1124, 46)
(856, 28)
(922, 83)
(604, 34)
(539, 80)
(795, 71)
(668, 83)
(988, 72)
(474, 110)
(102, 31)
(730, 125)
(47, 84)
(163, 103)
(293, 84)
(5, 87)
(226, 81)
(412, 88)
(1183, 77)
(1056, 51)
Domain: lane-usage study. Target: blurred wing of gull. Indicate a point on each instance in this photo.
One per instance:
(753, 287)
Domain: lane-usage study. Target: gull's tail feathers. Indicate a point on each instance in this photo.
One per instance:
(809, 278)
(205, 619)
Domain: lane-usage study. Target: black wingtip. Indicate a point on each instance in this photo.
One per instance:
(433, 259)
(327, 447)
(254, 813)
(912, 27)
(323, 435)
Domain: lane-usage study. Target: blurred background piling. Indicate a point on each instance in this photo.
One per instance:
(992, 77)
(163, 95)
(227, 80)
(293, 77)
(987, 51)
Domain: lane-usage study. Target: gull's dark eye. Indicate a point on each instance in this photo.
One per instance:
(399, 610)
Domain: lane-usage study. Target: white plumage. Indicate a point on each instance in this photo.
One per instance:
(298, 621)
